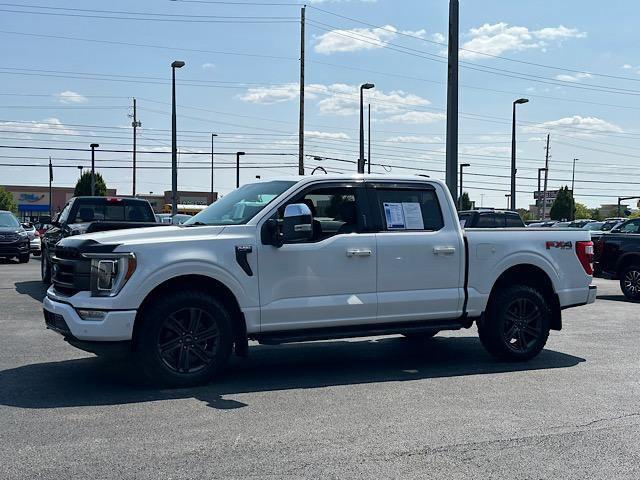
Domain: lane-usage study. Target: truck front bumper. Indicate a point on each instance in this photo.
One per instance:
(117, 325)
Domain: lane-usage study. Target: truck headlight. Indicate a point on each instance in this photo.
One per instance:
(110, 272)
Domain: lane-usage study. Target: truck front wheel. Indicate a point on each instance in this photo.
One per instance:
(184, 339)
(516, 324)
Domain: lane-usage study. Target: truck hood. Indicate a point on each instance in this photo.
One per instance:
(141, 236)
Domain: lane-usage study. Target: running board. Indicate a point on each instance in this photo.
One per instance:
(351, 331)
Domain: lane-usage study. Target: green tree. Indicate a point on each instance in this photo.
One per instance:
(465, 202)
(83, 187)
(562, 205)
(582, 211)
(525, 214)
(596, 215)
(7, 202)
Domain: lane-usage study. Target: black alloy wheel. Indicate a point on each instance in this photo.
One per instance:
(630, 283)
(522, 325)
(188, 340)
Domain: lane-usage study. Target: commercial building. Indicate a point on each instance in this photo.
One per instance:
(33, 201)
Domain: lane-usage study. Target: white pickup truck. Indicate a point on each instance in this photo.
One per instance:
(319, 258)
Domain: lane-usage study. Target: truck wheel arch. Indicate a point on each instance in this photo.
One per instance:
(212, 287)
(535, 277)
(626, 260)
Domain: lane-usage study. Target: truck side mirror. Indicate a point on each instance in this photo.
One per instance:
(297, 225)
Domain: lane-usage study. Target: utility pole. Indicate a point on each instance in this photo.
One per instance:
(238, 154)
(369, 142)
(573, 196)
(174, 139)
(301, 121)
(50, 180)
(514, 170)
(135, 124)
(93, 168)
(452, 100)
(546, 175)
(212, 135)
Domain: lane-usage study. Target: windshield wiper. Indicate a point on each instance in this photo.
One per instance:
(194, 224)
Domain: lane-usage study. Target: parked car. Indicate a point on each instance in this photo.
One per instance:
(617, 257)
(14, 241)
(34, 239)
(168, 219)
(489, 218)
(580, 223)
(561, 225)
(322, 257)
(93, 214)
(547, 224)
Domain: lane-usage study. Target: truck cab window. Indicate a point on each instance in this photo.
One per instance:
(334, 210)
(409, 209)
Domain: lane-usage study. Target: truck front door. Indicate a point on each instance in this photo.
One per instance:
(329, 280)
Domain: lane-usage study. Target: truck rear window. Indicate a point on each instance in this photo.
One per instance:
(121, 211)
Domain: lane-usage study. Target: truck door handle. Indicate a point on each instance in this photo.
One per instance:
(358, 252)
(444, 250)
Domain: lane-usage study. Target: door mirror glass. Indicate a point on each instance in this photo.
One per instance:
(297, 224)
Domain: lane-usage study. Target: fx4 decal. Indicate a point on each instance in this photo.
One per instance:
(561, 245)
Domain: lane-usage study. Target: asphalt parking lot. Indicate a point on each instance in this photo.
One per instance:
(368, 408)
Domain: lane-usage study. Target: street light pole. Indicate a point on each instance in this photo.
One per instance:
(508, 195)
(369, 142)
(212, 135)
(364, 86)
(238, 168)
(513, 152)
(174, 139)
(93, 168)
(573, 197)
(462, 165)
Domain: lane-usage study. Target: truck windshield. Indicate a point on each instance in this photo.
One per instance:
(8, 220)
(241, 205)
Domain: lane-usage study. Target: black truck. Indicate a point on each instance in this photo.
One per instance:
(617, 257)
(93, 214)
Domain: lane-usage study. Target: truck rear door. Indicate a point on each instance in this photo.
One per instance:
(420, 252)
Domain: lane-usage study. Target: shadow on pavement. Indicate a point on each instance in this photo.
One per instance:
(614, 298)
(34, 288)
(96, 381)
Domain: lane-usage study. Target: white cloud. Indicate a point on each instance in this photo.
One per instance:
(208, 66)
(330, 135)
(422, 33)
(354, 39)
(48, 125)
(573, 78)
(71, 97)
(498, 38)
(415, 117)
(340, 1)
(576, 126)
(626, 66)
(344, 100)
(272, 94)
(438, 37)
(415, 139)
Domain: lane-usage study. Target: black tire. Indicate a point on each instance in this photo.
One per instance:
(24, 258)
(630, 282)
(184, 339)
(421, 336)
(37, 253)
(516, 325)
(45, 269)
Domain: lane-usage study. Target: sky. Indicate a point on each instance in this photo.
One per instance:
(71, 70)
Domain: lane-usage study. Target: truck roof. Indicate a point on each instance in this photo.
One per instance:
(354, 176)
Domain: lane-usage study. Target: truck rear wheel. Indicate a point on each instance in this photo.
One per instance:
(184, 339)
(516, 324)
(630, 282)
